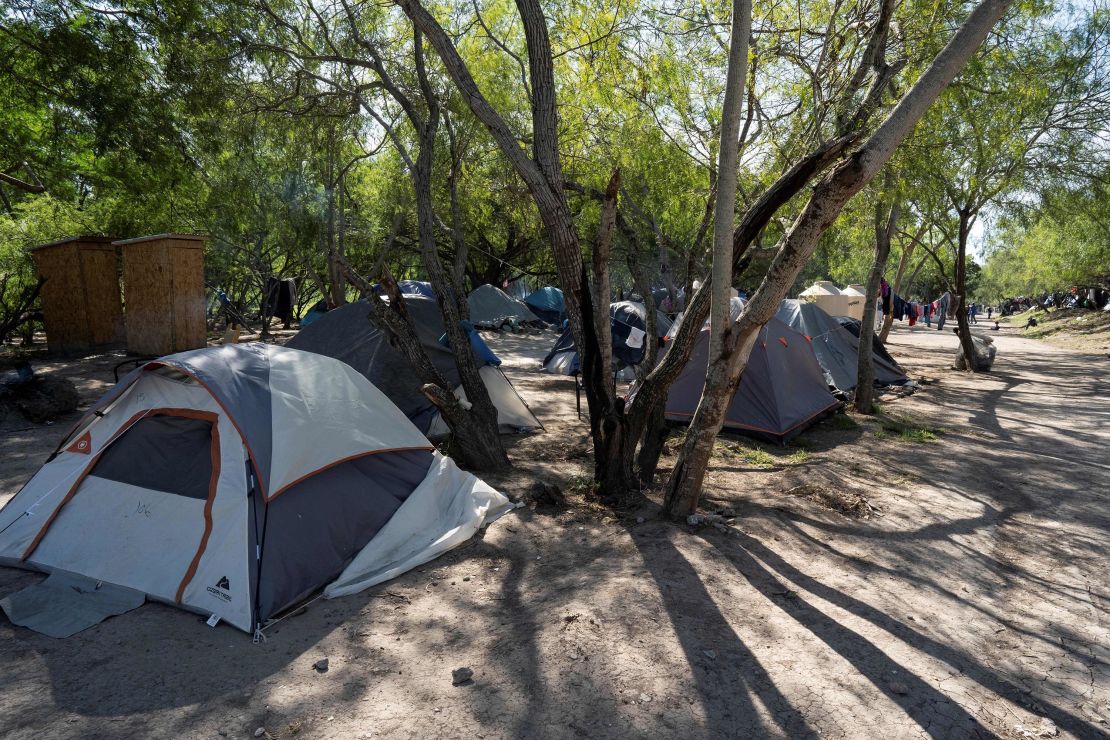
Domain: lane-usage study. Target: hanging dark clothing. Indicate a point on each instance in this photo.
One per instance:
(281, 298)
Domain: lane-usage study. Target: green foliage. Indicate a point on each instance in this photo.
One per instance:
(225, 118)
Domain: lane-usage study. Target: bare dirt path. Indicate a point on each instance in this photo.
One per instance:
(975, 605)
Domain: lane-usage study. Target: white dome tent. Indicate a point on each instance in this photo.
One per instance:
(236, 481)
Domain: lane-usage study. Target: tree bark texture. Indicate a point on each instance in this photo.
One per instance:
(717, 385)
(963, 327)
(896, 286)
(797, 245)
(865, 377)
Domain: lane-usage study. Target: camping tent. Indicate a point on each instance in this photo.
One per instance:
(836, 347)
(348, 334)
(492, 308)
(626, 323)
(663, 300)
(416, 287)
(887, 370)
(547, 303)
(781, 392)
(237, 480)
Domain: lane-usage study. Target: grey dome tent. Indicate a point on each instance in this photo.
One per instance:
(547, 303)
(626, 322)
(347, 333)
(235, 481)
(492, 308)
(877, 346)
(837, 348)
(781, 392)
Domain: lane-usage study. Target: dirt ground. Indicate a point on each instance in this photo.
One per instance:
(963, 593)
(1073, 328)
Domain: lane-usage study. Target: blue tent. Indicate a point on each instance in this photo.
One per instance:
(416, 287)
(547, 303)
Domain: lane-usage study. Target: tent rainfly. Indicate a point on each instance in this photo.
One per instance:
(836, 348)
(781, 392)
(235, 481)
(626, 322)
(347, 333)
(492, 308)
(547, 303)
(416, 287)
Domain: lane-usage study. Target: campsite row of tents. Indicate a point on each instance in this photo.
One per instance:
(236, 481)
(803, 355)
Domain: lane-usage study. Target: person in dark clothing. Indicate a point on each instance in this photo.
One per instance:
(990, 311)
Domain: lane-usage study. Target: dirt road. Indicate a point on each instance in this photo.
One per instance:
(975, 605)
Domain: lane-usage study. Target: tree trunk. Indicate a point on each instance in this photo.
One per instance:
(797, 245)
(865, 377)
(963, 327)
(718, 387)
(477, 436)
(337, 284)
(608, 422)
(468, 431)
(458, 236)
(896, 286)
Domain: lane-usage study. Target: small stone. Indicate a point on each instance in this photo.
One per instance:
(466, 578)
(462, 677)
(222, 733)
(644, 698)
(1047, 728)
(321, 666)
(260, 732)
(639, 520)
(899, 688)
(711, 654)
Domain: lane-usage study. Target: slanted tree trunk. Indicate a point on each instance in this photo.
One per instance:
(718, 388)
(796, 247)
(468, 441)
(865, 376)
(542, 173)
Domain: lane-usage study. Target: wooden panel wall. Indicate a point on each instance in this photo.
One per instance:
(100, 276)
(163, 279)
(80, 299)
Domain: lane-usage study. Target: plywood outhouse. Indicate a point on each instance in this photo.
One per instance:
(81, 297)
(163, 293)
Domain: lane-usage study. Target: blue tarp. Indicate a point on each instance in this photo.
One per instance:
(481, 349)
(416, 287)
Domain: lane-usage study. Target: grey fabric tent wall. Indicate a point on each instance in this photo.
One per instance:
(491, 307)
(313, 530)
(347, 333)
(836, 348)
(781, 392)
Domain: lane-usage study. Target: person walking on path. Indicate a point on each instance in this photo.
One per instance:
(990, 310)
(972, 311)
